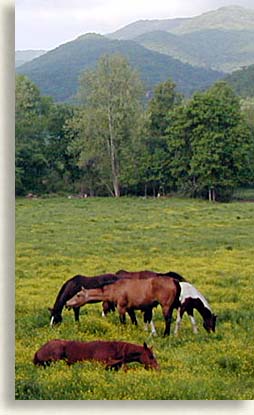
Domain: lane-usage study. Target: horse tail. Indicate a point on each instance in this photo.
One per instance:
(176, 302)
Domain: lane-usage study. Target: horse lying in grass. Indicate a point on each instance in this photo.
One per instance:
(135, 294)
(113, 354)
(71, 287)
(190, 298)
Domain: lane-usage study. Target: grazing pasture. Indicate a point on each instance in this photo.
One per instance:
(211, 245)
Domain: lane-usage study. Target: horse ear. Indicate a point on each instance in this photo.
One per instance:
(82, 288)
(145, 346)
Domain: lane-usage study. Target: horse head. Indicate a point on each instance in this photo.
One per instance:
(55, 318)
(148, 359)
(210, 323)
(78, 299)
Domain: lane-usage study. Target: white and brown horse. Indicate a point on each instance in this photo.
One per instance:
(190, 298)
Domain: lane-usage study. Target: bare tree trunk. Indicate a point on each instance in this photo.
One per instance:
(113, 160)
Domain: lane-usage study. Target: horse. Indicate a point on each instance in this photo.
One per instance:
(135, 294)
(113, 354)
(71, 287)
(142, 275)
(190, 298)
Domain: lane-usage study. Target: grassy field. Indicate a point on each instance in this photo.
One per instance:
(212, 245)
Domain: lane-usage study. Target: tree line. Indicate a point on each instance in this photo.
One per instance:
(122, 140)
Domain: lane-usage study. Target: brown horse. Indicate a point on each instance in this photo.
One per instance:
(113, 354)
(131, 294)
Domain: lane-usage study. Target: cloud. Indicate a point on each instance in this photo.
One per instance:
(44, 24)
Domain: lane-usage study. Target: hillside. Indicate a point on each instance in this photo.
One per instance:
(242, 81)
(56, 72)
(216, 49)
(225, 18)
(23, 56)
(222, 39)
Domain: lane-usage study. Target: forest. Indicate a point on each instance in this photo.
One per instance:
(116, 139)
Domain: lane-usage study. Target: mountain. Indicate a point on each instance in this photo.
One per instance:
(132, 30)
(222, 39)
(242, 81)
(56, 72)
(224, 18)
(222, 50)
(23, 56)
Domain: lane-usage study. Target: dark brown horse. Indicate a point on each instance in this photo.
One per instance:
(113, 354)
(71, 287)
(135, 294)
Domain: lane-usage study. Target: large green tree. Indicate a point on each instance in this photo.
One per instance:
(31, 132)
(210, 143)
(110, 96)
(155, 155)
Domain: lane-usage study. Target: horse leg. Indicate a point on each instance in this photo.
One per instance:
(132, 315)
(178, 321)
(148, 315)
(193, 322)
(107, 306)
(76, 313)
(167, 313)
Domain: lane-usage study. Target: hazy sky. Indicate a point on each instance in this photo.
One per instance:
(45, 24)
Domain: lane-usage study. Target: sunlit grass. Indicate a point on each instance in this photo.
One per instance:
(212, 245)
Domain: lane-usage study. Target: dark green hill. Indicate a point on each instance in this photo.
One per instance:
(56, 73)
(216, 49)
(242, 81)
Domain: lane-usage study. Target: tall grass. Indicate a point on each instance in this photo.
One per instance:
(212, 245)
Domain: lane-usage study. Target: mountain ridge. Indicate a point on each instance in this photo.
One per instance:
(56, 73)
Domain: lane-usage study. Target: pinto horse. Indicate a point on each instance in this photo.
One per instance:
(71, 287)
(190, 298)
(113, 354)
(135, 294)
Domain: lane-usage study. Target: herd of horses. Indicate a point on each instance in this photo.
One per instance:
(125, 292)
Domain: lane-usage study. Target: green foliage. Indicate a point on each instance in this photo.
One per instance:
(242, 81)
(210, 143)
(31, 110)
(58, 238)
(42, 160)
(111, 96)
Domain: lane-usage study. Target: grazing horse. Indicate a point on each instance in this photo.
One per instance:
(134, 294)
(71, 287)
(142, 275)
(190, 298)
(113, 354)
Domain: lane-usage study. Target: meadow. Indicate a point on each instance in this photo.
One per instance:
(210, 244)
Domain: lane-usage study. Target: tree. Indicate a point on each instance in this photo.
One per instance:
(111, 97)
(156, 156)
(31, 131)
(210, 143)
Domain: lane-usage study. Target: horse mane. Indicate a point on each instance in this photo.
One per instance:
(174, 275)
